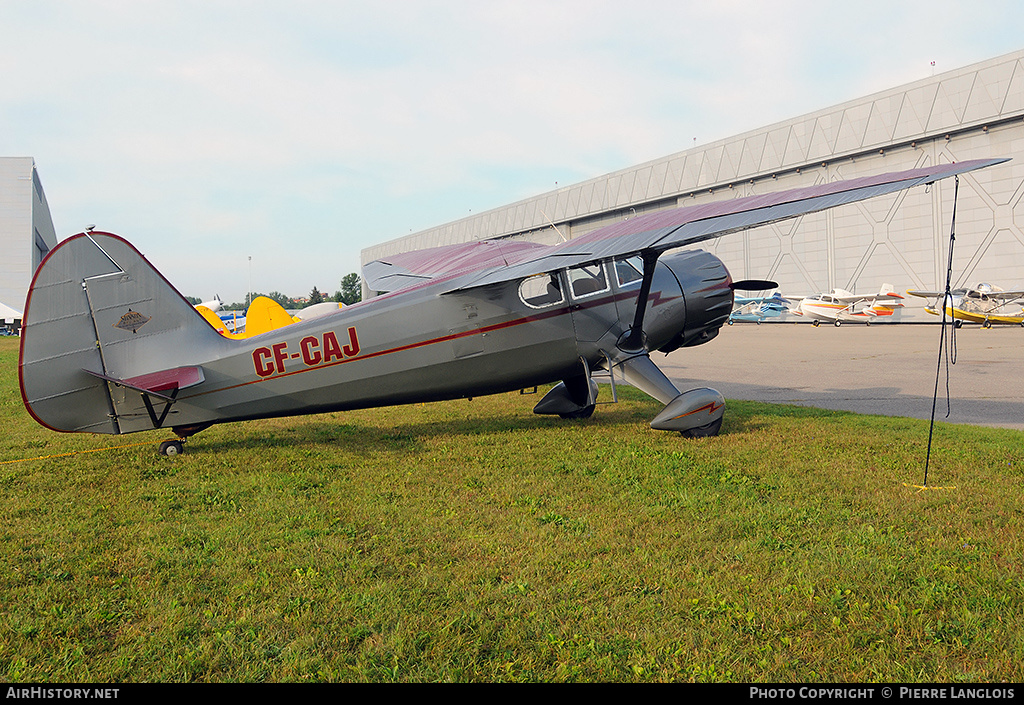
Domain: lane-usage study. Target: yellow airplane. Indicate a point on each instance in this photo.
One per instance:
(263, 316)
(984, 304)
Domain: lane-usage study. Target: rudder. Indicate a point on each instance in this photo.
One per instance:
(98, 307)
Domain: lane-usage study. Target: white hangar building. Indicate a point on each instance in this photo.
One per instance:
(969, 113)
(26, 232)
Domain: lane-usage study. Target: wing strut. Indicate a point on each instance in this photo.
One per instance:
(950, 351)
(634, 340)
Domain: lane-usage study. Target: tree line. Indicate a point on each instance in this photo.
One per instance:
(351, 292)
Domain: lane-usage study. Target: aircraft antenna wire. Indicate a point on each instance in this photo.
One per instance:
(555, 227)
(947, 349)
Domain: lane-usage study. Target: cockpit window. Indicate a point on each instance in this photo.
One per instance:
(629, 270)
(587, 281)
(541, 291)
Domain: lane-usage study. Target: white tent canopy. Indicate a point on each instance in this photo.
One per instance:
(8, 314)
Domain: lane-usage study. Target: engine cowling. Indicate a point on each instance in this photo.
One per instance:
(705, 283)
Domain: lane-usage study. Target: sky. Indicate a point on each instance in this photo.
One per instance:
(269, 142)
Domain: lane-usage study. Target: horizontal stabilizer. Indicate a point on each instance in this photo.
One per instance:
(157, 383)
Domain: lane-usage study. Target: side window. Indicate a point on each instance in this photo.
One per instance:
(541, 290)
(629, 270)
(586, 281)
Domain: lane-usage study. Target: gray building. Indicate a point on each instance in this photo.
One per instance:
(26, 232)
(968, 113)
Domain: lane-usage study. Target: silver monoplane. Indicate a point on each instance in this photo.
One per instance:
(109, 346)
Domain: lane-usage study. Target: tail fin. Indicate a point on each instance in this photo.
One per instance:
(218, 323)
(265, 315)
(98, 312)
(887, 290)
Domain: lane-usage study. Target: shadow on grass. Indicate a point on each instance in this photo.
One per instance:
(743, 416)
(410, 435)
(393, 434)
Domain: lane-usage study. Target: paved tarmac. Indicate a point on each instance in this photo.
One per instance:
(887, 369)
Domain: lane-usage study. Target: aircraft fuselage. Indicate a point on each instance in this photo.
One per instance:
(420, 346)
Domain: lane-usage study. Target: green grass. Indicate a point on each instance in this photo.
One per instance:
(474, 541)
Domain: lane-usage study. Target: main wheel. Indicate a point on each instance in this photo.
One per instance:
(705, 431)
(584, 413)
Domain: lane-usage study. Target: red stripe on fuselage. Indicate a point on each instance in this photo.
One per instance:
(656, 299)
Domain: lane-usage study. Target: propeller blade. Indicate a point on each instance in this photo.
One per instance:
(754, 285)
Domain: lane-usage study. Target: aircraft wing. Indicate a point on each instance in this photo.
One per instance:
(961, 292)
(857, 298)
(773, 299)
(665, 230)
(423, 266)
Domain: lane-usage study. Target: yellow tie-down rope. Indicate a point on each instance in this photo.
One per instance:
(921, 488)
(76, 452)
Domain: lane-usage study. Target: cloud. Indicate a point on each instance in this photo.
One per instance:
(302, 132)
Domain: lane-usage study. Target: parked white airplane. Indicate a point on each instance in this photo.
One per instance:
(840, 305)
(215, 304)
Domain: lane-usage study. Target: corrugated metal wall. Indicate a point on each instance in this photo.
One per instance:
(973, 112)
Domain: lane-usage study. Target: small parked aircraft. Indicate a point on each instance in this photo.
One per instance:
(984, 304)
(757, 308)
(263, 315)
(214, 304)
(840, 305)
(109, 346)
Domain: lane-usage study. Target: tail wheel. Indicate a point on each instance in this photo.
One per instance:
(171, 448)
